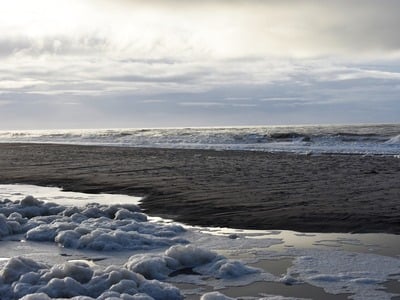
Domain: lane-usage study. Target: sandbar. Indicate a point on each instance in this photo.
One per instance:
(237, 189)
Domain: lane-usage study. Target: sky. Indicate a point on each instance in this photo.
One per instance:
(171, 63)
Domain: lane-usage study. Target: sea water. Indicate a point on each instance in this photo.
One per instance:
(383, 139)
(62, 245)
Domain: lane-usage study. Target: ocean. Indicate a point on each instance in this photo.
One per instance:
(376, 139)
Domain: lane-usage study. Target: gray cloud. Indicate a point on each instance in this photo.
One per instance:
(188, 77)
(170, 29)
(24, 45)
(174, 63)
(300, 28)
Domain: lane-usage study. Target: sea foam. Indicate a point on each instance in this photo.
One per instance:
(26, 278)
(102, 228)
(93, 226)
(162, 255)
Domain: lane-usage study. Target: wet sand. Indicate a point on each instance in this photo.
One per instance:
(324, 193)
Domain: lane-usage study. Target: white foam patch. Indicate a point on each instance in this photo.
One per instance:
(93, 226)
(24, 277)
(344, 272)
(180, 261)
(215, 296)
(27, 279)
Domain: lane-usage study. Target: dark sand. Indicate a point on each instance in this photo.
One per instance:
(325, 193)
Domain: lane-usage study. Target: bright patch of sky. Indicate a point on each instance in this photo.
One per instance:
(88, 64)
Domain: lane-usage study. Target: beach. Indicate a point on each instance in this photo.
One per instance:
(236, 189)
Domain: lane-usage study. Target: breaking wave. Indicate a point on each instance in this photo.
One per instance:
(361, 139)
(394, 140)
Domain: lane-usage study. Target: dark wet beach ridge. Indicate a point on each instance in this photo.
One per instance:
(237, 189)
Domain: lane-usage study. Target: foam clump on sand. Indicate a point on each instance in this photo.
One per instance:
(188, 259)
(27, 279)
(138, 279)
(94, 226)
(29, 207)
(215, 296)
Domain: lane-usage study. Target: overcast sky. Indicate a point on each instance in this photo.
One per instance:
(126, 63)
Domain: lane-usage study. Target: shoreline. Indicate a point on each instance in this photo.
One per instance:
(238, 189)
